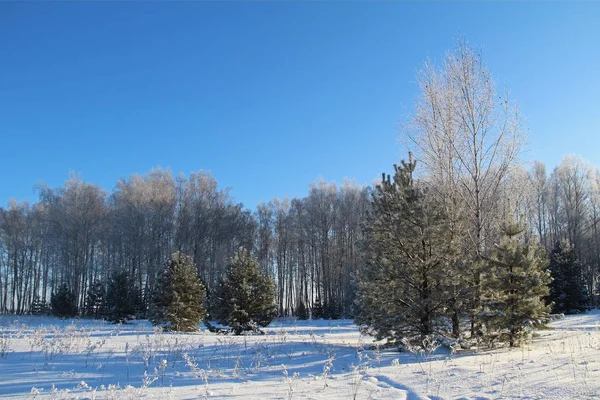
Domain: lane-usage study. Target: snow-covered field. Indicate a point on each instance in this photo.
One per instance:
(51, 358)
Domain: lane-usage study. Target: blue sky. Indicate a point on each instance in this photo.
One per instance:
(269, 96)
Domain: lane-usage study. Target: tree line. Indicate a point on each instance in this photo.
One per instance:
(80, 236)
(312, 246)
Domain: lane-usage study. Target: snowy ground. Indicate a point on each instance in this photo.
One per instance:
(50, 358)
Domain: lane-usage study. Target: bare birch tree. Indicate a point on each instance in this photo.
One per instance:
(465, 135)
(468, 138)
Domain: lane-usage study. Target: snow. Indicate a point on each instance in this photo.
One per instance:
(43, 357)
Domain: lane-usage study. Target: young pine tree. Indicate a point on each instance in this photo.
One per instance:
(318, 310)
(568, 292)
(178, 302)
(513, 290)
(409, 251)
(95, 301)
(302, 311)
(119, 306)
(245, 298)
(63, 302)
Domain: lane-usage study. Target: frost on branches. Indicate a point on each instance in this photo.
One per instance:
(414, 275)
(405, 290)
(514, 287)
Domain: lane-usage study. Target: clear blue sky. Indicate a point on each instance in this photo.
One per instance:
(269, 96)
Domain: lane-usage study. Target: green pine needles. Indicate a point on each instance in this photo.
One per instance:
(63, 302)
(177, 303)
(568, 293)
(415, 283)
(515, 284)
(404, 288)
(245, 298)
(120, 298)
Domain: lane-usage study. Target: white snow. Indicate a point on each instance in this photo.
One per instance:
(51, 358)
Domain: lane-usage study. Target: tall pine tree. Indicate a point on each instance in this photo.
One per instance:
(178, 302)
(515, 284)
(409, 251)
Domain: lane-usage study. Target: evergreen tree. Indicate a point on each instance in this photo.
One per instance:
(409, 249)
(139, 304)
(95, 301)
(302, 311)
(332, 310)
(568, 293)
(318, 310)
(514, 286)
(177, 303)
(64, 303)
(120, 298)
(245, 298)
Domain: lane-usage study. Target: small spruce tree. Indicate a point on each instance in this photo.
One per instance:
(95, 301)
(568, 293)
(63, 302)
(514, 287)
(302, 311)
(120, 298)
(318, 310)
(245, 298)
(177, 303)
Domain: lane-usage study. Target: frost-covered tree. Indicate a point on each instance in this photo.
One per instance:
(568, 292)
(178, 302)
(515, 285)
(468, 137)
(409, 251)
(245, 298)
(74, 215)
(142, 225)
(64, 302)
